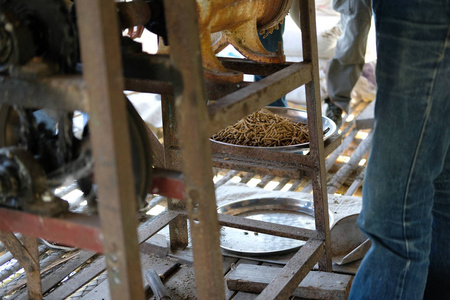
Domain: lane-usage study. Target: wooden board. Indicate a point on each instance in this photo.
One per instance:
(316, 285)
(366, 119)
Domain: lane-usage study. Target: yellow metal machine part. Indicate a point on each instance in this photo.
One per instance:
(237, 22)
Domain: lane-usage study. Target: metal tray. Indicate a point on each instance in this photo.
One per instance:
(285, 211)
(295, 115)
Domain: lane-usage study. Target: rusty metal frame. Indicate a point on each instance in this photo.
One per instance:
(191, 118)
(194, 130)
(231, 107)
(188, 123)
(99, 92)
(102, 72)
(27, 254)
(314, 111)
(85, 231)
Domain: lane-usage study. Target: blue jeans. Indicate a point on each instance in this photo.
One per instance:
(406, 192)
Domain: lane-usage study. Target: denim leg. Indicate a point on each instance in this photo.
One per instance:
(405, 189)
(438, 286)
(348, 61)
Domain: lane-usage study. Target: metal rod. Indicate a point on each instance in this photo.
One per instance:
(269, 228)
(102, 71)
(66, 92)
(84, 230)
(314, 111)
(178, 230)
(234, 106)
(190, 99)
(294, 271)
(27, 255)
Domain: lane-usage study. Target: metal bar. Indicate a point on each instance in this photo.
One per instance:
(102, 70)
(250, 67)
(356, 184)
(282, 184)
(190, 98)
(344, 145)
(234, 106)
(167, 183)
(73, 283)
(11, 269)
(145, 231)
(247, 177)
(85, 275)
(217, 90)
(214, 90)
(73, 230)
(148, 86)
(178, 230)
(295, 185)
(51, 280)
(48, 264)
(230, 174)
(252, 165)
(265, 181)
(3, 248)
(263, 155)
(291, 275)
(28, 257)
(156, 225)
(314, 111)
(158, 155)
(170, 126)
(148, 67)
(265, 161)
(65, 92)
(342, 174)
(268, 228)
(4, 258)
(33, 273)
(84, 230)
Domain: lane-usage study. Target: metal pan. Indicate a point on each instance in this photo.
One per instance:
(348, 242)
(295, 115)
(285, 211)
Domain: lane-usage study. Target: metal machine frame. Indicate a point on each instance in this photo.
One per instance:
(188, 123)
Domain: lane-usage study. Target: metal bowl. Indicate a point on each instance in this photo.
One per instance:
(295, 115)
(286, 211)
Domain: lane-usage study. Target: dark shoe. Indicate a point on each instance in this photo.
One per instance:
(334, 112)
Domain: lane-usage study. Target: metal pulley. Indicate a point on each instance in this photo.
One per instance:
(23, 184)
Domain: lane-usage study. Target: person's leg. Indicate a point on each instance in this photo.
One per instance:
(438, 281)
(409, 147)
(348, 61)
(271, 43)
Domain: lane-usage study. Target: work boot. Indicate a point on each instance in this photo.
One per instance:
(334, 112)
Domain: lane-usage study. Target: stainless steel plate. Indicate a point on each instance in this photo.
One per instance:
(295, 115)
(285, 211)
